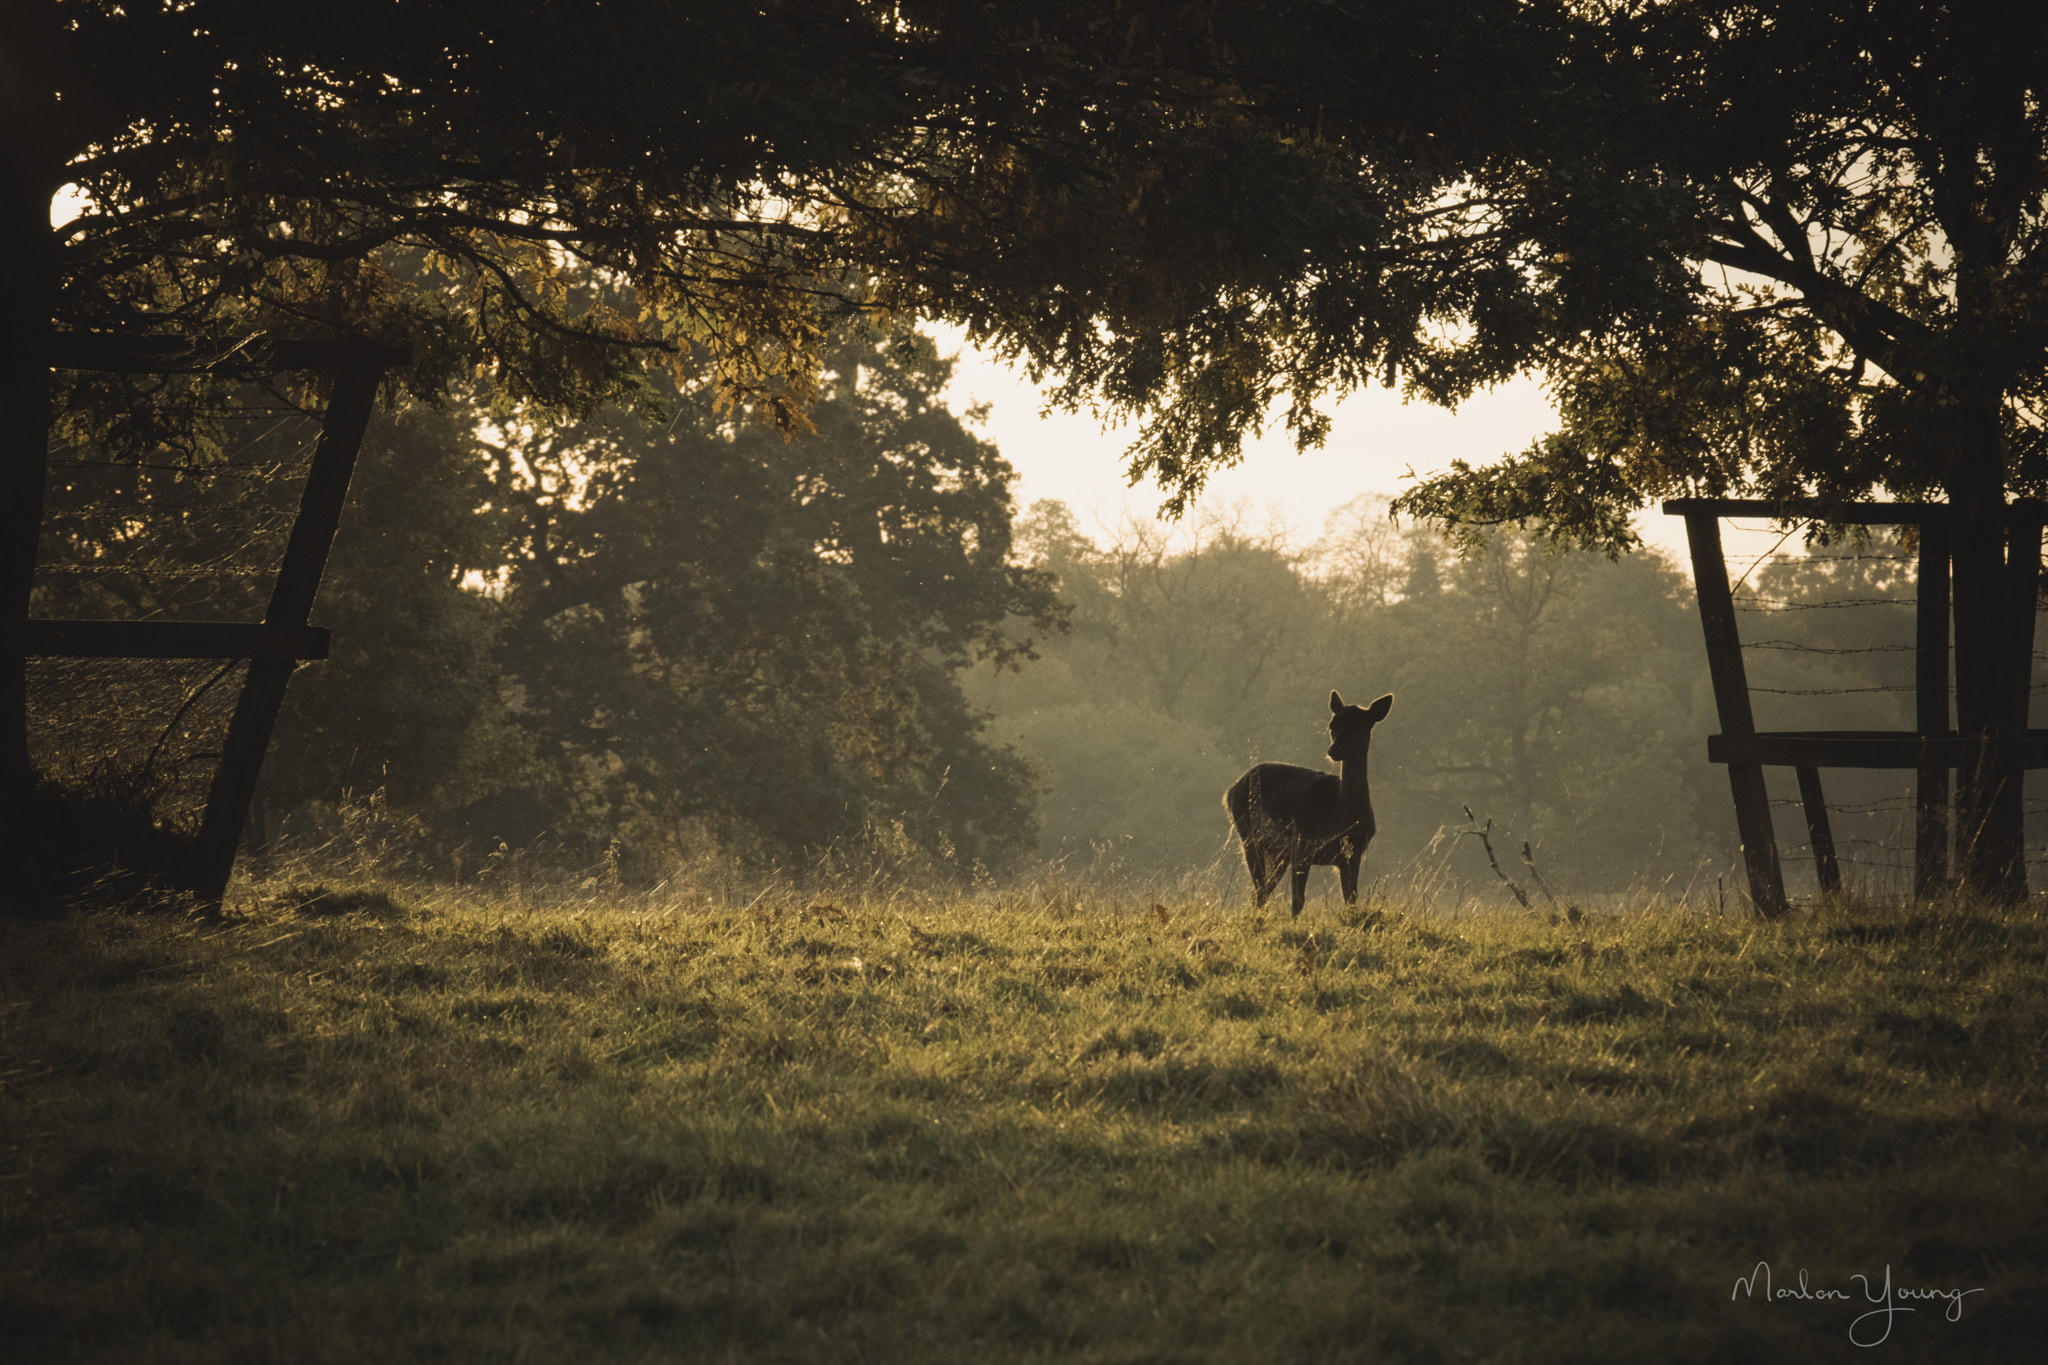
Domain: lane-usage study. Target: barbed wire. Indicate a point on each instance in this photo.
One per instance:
(2035, 804)
(1804, 852)
(1797, 647)
(1839, 559)
(2032, 854)
(1900, 804)
(1766, 605)
(1793, 646)
(1830, 691)
(2033, 690)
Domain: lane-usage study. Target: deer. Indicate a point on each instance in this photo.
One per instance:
(1293, 818)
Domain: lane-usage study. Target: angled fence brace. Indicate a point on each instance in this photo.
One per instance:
(1731, 703)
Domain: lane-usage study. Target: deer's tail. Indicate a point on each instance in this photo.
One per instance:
(1238, 801)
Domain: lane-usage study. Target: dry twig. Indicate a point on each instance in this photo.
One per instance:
(1487, 843)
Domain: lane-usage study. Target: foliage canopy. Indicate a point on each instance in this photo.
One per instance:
(1861, 193)
(1767, 247)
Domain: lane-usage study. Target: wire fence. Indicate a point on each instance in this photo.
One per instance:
(1799, 608)
(1858, 646)
(1874, 842)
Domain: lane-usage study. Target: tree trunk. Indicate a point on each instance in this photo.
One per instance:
(26, 302)
(32, 166)
(1996, 567)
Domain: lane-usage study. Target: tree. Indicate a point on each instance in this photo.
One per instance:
(661, 627)
(1077, 184)
(1188, 213)
(700, 622)
(411, 705)
(1862, 192)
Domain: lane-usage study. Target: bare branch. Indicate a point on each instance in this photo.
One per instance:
(1487, 844)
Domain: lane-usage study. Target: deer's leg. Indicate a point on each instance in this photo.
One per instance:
(1347, 875)
(1260, 864)
(1300, 886)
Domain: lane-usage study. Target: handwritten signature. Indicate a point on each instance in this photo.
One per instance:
(1889, 1300)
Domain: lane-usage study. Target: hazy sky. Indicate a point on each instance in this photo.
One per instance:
(1377, 439)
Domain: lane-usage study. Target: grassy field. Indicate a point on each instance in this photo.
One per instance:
(363, 1125)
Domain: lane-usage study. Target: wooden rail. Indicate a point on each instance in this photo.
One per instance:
(170, 640)
(1901, 749)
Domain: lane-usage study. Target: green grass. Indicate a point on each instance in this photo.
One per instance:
(378, 1128)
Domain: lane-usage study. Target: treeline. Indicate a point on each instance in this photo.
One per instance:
(1562, 696)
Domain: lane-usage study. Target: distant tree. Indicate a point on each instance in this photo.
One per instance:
(1214, 626)
(411, 707)
(1365, 560)
(1555, 692)
(702, 622)
(1181, 661)
(1123, 784)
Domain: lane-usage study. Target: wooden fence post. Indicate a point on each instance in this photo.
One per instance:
(2006, 807)
(1820, 833)
(1731, 700)
(1931, 820)
(291, 601)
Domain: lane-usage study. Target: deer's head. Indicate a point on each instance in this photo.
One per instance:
(1351, 727)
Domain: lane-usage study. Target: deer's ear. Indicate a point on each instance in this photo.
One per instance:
(1377, 712)
(1336, 703)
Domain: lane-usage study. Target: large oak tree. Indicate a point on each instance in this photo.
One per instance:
(1186, 209)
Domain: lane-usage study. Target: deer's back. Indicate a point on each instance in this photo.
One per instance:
(1283, 800)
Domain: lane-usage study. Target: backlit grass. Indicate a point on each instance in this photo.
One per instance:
(370, 1128)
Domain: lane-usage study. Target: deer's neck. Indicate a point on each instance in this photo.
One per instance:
(1354, 798)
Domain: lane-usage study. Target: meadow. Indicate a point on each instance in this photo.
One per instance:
(364, 1122)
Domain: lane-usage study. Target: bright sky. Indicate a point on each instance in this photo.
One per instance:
(1375, 441)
